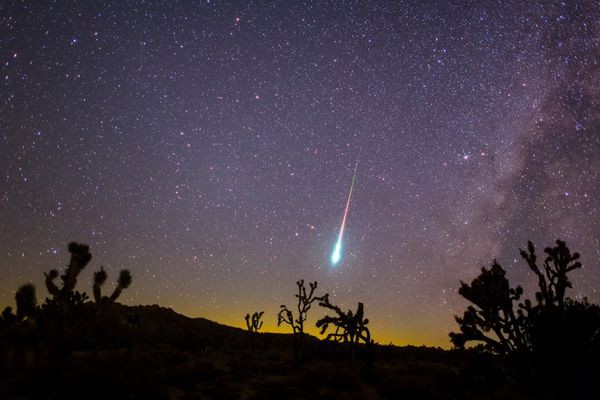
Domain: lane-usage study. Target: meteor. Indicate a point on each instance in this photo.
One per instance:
(337, 250)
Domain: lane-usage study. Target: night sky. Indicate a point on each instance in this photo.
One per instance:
(209, 147)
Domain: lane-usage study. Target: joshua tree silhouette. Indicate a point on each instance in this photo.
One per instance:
(553, 344)
(80, 257)
(553, 281)
(67, 311)
(493, 312)
(253, 323)
(556, 330)
(349, 327)
(305, 300)
(100, 278)
(26, 301)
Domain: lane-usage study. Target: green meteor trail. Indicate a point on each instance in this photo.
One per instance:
(337, 250)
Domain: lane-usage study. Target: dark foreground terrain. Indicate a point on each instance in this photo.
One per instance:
(149, 352)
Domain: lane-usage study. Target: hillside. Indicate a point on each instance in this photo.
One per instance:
(151, 352)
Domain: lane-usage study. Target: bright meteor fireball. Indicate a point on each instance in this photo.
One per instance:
(336, 255)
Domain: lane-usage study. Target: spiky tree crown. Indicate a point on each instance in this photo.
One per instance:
(100, 277)
(124, 279)
(80, 255)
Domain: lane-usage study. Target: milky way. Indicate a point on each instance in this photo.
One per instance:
(206, 147)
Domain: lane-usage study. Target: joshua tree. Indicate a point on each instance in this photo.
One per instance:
(18, 333)
(253, 323)
(349, 327)
(66, 304)
(305, 300)
(493, 312)
(67, 310)
(553, 281)
(26, 301)
(543, 327)
(65, 317)
(100, 278)
(80, 257)
(26, 308)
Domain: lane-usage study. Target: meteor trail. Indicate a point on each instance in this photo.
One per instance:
(337, 250)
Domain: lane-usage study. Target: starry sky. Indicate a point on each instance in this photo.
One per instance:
(209, 146)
